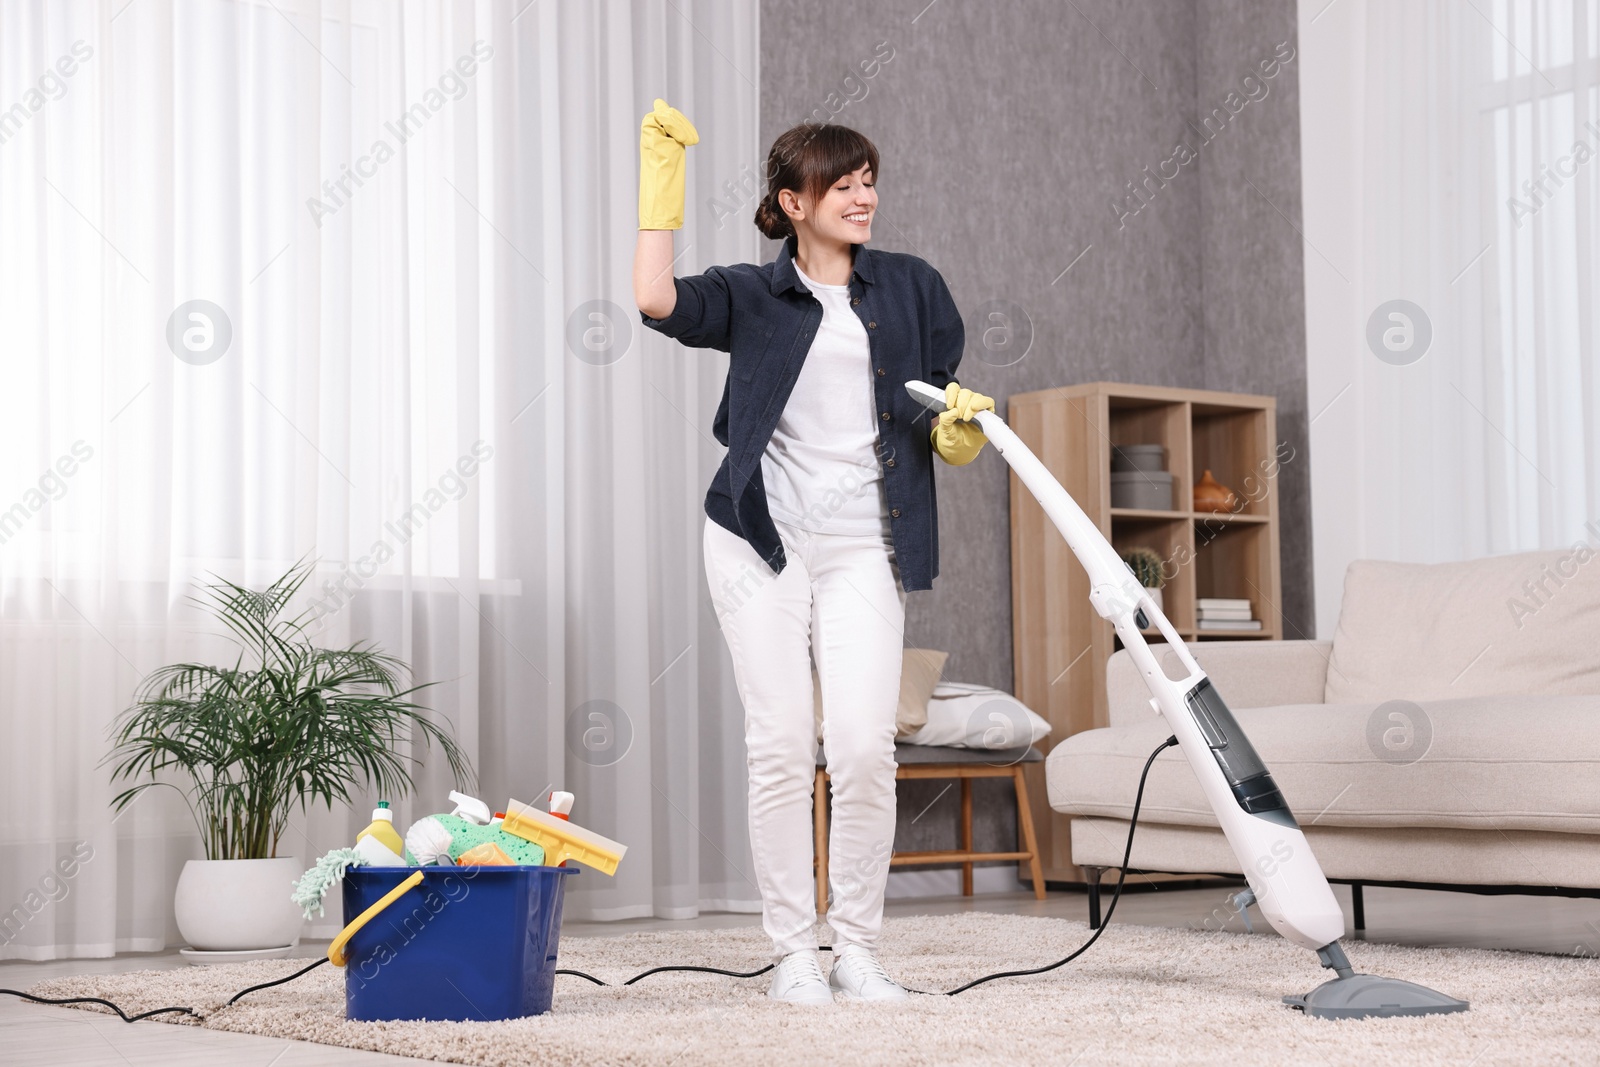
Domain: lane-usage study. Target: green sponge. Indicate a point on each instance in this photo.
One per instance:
(467, 836)
(436, 836)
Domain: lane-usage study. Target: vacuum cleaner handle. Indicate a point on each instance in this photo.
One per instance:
(1283, 874)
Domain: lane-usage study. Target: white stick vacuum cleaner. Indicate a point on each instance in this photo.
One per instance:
(1284, 877)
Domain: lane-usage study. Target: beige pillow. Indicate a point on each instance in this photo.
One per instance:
(919, 674)
(1523, 623)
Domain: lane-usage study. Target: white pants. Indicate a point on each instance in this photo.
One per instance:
(838, 599)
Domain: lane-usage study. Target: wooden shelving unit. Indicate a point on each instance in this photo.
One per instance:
(1060, 645)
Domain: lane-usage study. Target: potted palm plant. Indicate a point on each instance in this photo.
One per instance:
(1145, 563)
(286, 724)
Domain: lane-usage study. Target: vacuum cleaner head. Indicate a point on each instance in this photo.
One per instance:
(1362, 996)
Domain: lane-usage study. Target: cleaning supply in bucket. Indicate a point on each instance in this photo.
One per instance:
(464, 841)
(450, 839)
(313, 886)
(376, 846)
(563, 839)
(560, 805)
(468, 835)
(379, 844)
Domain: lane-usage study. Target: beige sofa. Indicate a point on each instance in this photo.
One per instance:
(1447, 736)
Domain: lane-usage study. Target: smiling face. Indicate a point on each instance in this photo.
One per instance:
(843, 213)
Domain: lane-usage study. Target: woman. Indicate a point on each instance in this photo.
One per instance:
(821, 516)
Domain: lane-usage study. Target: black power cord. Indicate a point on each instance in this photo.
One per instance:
(1116, 894)
(684, 967)
(304, 970)
(96, 1000)
(164, 1011)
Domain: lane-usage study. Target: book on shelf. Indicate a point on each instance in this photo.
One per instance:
(1230, 624)
(1222, 602)
(1226, 613)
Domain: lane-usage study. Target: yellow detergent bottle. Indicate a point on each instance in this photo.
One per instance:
(381, 833)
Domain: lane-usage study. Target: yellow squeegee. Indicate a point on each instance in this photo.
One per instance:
(562, 840)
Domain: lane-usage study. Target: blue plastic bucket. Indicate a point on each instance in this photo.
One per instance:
(467, 943)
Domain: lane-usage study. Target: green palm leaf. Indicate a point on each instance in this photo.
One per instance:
(287, 724)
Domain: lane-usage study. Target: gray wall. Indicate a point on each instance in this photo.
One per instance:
(1012, 135)
(1251, 268)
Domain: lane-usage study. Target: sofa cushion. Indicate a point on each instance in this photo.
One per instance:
(1524, 623)
(1248, 674)
(1446, 763)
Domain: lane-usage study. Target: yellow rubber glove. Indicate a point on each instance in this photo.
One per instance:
(662, 138)
(955, 437)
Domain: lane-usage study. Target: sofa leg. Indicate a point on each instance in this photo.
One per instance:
(1092, 876)
(1358, 906)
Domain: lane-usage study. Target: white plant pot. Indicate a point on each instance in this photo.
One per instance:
(239, 904)
(1155, 594)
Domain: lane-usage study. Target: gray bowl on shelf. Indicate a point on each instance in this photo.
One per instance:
(1148, 490)
(1151, 458)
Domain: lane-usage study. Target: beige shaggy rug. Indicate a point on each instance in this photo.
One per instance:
(1141, 995)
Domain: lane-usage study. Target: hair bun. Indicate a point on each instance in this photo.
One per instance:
(771, 221)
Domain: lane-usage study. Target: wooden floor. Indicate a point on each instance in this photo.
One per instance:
(33, 1034)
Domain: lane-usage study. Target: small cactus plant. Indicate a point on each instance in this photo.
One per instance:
(1145, 563)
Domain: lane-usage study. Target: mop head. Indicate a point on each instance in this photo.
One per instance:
(315, 883)
(1362, 996)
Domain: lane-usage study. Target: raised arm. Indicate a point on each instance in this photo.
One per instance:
(653, 290)
(663, 136)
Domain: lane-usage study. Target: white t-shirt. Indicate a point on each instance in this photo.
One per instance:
(820, 466)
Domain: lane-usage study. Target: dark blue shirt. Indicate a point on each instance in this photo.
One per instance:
(765, 318)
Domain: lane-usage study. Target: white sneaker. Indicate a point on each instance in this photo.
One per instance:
(797, 979)
(857, 975)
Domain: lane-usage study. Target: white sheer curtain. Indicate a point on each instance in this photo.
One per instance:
(415, 224)
(1452, 161)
